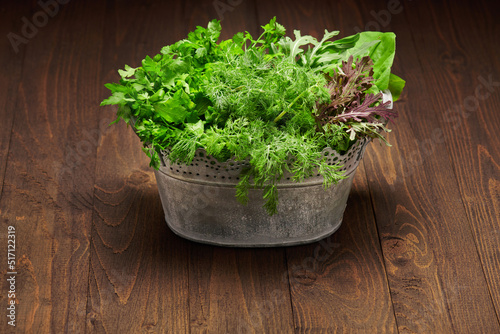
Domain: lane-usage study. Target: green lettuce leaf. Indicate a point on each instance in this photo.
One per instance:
(396, 85)
(381, 48)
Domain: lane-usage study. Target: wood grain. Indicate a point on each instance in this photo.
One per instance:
(424, 228)
(47, 194)
(339, 284)
(139, 269)
(472, 74)
(12, 60)
(239, 291)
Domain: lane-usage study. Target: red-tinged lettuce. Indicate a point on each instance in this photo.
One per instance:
(350, 101)
(381, 48)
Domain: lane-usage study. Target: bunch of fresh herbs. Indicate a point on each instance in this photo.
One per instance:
(270, 100)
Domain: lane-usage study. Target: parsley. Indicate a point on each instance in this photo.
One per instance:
(271, 100)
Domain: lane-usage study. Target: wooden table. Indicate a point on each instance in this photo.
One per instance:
(419, 248)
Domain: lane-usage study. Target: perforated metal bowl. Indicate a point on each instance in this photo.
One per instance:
(200, 203)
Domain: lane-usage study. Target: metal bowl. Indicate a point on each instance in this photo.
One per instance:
(200, 204)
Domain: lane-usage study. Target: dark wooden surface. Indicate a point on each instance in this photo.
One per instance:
(419, 248)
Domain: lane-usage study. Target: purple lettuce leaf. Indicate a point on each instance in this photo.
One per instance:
(348, 98)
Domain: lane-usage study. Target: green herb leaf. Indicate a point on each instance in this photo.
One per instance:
(116, 98)
(128, 72)
(171, 111)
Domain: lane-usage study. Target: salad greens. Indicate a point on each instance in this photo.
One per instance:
(268, 100)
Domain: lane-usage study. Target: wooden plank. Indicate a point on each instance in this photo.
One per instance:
(139, 269)
(235, 290)
(338, 284)
(47, 194)
(435, 276)
(139, 278)
(12, 59)
(239, 291)
(468, 60)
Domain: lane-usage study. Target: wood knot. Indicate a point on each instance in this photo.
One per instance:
(304, 276)
(455, 61)
(92, 318)
(397, 251)
(148, 328)
(138, 177)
